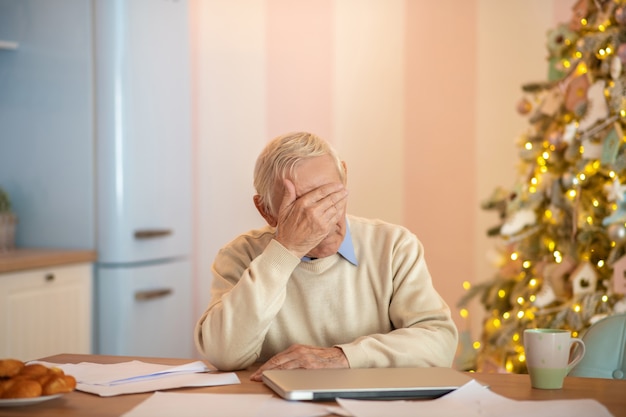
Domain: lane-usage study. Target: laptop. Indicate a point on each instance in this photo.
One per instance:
(364, 383)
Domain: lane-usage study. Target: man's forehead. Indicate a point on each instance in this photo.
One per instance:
(312, 173)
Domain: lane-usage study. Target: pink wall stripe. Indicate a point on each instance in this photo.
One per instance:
(299, 66)
(440, 137)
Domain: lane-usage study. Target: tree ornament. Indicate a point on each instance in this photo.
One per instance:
(610, 144)
(567, 180)
(616, 68)
(520, 219)
(615, 190)
(620, 15)
(620, 306)
(621, 53)
(619, 275)
(545, 296)
(569, 132)
(559, 39)
(580, 11)
(584, 279)
(616, 232)
(524, 106)
(597, 108)
(576, 94)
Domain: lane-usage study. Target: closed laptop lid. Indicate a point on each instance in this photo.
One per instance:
(364, 383)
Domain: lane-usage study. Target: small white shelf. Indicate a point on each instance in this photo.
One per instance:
(8, 45)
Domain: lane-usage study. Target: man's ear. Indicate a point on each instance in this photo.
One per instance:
(263, 211)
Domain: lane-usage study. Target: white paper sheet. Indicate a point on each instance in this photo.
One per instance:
(473, 399)
(161, 404)
(135, 377)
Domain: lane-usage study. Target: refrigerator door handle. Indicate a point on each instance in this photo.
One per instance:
(152, 233)
(148, 295)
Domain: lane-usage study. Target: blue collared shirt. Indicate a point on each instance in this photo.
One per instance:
(346, 249)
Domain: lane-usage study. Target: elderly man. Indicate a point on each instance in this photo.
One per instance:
(317, 288)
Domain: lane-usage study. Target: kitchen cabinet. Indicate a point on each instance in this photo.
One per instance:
(45, 303)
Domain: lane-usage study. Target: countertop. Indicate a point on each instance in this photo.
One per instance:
(21, 259)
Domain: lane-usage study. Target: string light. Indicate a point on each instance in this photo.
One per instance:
(558, 258)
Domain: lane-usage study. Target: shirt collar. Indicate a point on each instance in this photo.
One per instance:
(346, 250)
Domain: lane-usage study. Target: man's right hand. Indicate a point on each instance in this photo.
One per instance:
(304, 221)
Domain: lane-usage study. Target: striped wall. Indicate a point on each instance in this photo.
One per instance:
(418, 97)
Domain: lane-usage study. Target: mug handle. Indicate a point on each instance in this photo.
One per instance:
(579, 352)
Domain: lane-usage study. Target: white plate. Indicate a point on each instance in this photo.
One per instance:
(15, 402)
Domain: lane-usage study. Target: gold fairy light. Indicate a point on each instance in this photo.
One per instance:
(532, 282)
(520, 314)
(506, 315)
(501, 293)
(466, 285)
(577, 308)
(514, 256)
(605, 298)
(547, 214)
(464, 313)
(600, 263)
(558, 258)
(528, 146)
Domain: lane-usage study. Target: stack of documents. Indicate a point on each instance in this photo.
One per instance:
(470, 400)
(134, 377)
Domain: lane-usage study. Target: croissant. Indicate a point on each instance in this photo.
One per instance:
(19, 380)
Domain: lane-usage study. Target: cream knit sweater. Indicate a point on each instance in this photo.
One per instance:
(382, 313)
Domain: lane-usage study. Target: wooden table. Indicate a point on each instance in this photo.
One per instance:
(611, 393)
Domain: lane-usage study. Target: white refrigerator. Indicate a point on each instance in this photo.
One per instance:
(144, 175)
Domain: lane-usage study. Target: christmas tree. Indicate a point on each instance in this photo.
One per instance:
(561, 235)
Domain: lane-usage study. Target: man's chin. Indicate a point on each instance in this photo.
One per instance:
(323, 252)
